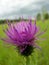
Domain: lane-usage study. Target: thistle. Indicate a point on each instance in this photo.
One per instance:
(23, 35)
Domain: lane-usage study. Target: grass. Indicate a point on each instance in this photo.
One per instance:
(10, 56)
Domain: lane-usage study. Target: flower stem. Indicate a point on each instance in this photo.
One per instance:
(27, 60)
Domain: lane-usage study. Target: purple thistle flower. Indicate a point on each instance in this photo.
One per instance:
(23, 35)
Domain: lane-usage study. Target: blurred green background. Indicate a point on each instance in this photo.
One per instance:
(9, 54)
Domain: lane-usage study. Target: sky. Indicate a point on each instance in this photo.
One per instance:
(11, 9)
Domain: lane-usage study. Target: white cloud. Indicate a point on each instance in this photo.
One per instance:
(8, 5)
(13, 7)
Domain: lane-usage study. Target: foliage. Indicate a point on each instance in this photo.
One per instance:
(39, 16)
(9, 55)
(46, 15)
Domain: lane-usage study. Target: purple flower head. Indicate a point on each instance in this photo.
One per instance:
(22, 35)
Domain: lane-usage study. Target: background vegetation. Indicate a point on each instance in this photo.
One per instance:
(9, 54)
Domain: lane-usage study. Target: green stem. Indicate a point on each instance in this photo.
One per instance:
(27, 60)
